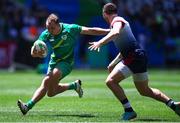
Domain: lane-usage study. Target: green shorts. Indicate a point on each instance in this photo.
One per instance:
(64, 67)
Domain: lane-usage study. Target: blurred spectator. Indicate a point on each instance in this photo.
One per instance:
(21, 25)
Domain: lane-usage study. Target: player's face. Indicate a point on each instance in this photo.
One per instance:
(53, 28)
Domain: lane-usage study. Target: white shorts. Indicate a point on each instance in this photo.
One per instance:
(138, 77)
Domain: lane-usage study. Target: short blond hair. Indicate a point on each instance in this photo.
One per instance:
(52, 18)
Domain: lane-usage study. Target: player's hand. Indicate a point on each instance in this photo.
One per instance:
(36, 53)
(94, 46)
(110, 67)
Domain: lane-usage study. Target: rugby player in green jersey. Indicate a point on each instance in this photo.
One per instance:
(62, 39)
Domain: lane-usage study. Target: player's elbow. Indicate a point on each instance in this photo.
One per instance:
(115, 34)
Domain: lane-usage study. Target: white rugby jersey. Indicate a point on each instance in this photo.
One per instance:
(125, 41)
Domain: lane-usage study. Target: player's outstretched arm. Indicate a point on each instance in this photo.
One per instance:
(96, 45)
(114, 32)
(94, 31)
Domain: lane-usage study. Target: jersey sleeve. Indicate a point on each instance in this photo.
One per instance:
(44, 36)
(118, 19)
(75, 29)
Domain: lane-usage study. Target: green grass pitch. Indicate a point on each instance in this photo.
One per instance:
(97, 105)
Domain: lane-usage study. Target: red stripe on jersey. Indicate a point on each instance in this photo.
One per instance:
(123, 23)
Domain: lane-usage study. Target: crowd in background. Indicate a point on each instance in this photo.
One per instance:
(21, 25)
(160, 17)
(16, 20)
(155, 21)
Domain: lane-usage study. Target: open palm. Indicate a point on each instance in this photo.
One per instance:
(94, 46)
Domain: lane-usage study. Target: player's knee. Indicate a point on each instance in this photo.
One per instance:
(51, 91)
(110, 82)
(50, 94)
(56, 73)
(142, 93)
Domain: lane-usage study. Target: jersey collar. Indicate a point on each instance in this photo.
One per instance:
(61, 26)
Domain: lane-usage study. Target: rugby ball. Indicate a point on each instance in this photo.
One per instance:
(40, 45)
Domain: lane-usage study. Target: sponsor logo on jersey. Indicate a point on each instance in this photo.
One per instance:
(51, 39)
(64, 37)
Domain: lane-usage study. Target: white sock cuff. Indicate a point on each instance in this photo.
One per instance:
(127, 105)
(170, 103)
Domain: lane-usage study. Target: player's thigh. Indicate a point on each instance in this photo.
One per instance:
(119, 73)
(64, 69)
(59, 70)
(52, 78)
(57, 73)
(141, 81)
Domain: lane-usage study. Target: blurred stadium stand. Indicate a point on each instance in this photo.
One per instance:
(155, 24)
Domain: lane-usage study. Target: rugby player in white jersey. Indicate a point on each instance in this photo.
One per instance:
(131, 60)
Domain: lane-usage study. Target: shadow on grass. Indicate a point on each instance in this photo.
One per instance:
(152, 120)
(72, 115)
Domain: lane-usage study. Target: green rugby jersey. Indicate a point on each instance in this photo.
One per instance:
(62, 44)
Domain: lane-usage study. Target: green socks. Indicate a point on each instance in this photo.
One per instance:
(30, 104)
(72, 86)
